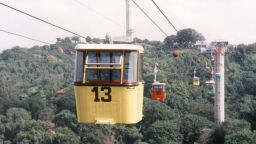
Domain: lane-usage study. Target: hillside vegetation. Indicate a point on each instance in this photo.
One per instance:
(37, 103)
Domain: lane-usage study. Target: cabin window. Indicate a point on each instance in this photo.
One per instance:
(140, 68)
(108, 67)
(130, 66)
(103, 58)
(78, 74)
(103, 66)
(106, 76)
(158, 88)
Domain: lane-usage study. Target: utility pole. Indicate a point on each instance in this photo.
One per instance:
(219, 98)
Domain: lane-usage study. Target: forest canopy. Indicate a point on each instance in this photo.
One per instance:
(37, 103)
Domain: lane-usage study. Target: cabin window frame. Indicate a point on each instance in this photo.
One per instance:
(158, 88)
(123, 65)
(79, 64)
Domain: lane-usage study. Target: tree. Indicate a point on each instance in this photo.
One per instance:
(17, 114)
(66, 118)
(67, 40)
(75, 39)
(46, 114)
(127, 134)
(88, 39)
(89, 133)
(30, 137)
(201, 109)
(65, 136)
(164, 132)
(27, 131)
(241, 137)
(218, 136)
(137, 40)
(191, 127)
(58, 40)
(36, 102)
(154, 111)
(170, 42)
(188, 37)
(178, 95)
(66, 101)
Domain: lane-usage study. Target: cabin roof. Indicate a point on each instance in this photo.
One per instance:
(109, 47)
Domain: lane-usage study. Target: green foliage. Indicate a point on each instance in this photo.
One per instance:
(250, 117)
(189, 36)
(164, 132)
(127, 134)
(89, 134)
(66, 101)
(191, 127)
(169, 42)
(201, 109)
(233, 125)
(29, 131)
(46, 114)
(30, 137)
(32, 110)
(17, 114)
(228, 128)
(241, 137)
(66, 118)
(218, 136)
(65, 136)
(155, 110)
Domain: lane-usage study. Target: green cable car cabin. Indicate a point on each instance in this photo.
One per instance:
(108, 83)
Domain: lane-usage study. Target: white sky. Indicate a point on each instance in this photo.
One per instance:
(231, 20)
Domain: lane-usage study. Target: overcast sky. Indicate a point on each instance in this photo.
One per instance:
(231, 20)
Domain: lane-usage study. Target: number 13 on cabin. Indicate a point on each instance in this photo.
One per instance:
(108, 83)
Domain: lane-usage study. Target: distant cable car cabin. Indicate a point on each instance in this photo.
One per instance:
(196, 81)
(158, 91)
(212, 58)
(207, 68)
(198, 61)
(108, 83)
(175, 53)
(211, 81)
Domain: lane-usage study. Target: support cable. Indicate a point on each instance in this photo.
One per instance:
(165, 16)
(149, 18)
(98, 13)
(41, 20)
(19, 35)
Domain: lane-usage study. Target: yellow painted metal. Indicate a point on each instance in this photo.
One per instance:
(125, 106)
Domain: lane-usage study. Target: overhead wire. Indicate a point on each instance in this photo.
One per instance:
(19, 35)
(149, 18)
(64, 29)
(98, 13)
(165, 16)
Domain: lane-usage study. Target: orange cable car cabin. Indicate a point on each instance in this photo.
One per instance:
(108, 83)
(158, 91)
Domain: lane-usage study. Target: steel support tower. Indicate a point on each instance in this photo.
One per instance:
(219, 98)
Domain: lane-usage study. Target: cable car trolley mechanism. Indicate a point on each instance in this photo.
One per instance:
(108, 83)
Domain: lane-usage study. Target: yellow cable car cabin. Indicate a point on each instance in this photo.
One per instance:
(196, 81)
(158, 91)
(108, 83)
